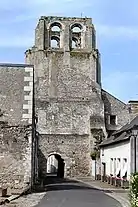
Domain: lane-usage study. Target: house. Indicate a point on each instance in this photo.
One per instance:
(119, 155)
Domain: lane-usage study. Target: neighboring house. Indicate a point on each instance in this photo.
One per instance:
(118, 154)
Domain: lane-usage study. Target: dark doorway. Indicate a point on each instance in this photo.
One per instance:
(103, 171)
(61, 164)
(55, 165)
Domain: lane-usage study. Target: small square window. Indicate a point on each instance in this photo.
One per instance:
(112, 119)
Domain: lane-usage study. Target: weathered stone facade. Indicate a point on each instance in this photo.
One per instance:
(70, 104)
(16, 119)
(68, 90)
(114, 106)
(61, 101)
(15, 156)
(74, 149)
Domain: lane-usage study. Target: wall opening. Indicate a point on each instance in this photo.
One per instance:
(55, 42)
(55, 29)
(112, 119)
(55, 34)
(55, 165)
(118, 170)
(76, 43)
(76, 33)
(76, 29)
(73, 44)
(124, 170)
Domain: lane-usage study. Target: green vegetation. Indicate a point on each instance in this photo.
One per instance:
(95, 154)
(134, 190)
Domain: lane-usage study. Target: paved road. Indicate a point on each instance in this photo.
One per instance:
(74, 194)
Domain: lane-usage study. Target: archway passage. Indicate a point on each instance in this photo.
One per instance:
(55, 165)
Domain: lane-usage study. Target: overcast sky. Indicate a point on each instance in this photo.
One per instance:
(116, 23)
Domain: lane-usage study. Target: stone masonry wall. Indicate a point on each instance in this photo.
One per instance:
(15, 157)
(66, 92)
(74, 149)
(114, 106)
(16, 113)
(16, 92)
(63, 118)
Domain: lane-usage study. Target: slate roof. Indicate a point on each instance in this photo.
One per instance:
(128, 126)
(121, 134)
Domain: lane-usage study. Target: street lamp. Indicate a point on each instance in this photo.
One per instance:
(135, 133)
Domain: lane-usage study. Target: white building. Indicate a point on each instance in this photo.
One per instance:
(52, 164)
(118, 154)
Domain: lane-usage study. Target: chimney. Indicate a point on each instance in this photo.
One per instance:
(133, 107)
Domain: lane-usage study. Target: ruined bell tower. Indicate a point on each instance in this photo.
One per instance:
(67, 91)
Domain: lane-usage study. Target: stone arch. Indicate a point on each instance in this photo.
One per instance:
(57, 24)
(56, 33)
(78, 30)
(56, 164)
(76, 25)
(76, 34)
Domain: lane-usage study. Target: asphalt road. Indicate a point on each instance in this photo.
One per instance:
(67, 193)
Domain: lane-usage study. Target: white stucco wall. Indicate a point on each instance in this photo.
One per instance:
(120, 150)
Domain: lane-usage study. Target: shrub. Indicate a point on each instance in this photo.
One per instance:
(134, 190)
(95, 154)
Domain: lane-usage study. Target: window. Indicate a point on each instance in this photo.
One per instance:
(112, 120)
(118, 168)
(114, 166)
(111, 166)
(55, 42)
(55, 29)
(55, 35)
(76, 29)
(76, 42)
(124, 170)
(73, 44)
(76, 32)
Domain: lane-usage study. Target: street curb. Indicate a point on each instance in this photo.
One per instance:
(121, 200)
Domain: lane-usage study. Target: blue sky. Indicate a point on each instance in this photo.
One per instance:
(116, 23)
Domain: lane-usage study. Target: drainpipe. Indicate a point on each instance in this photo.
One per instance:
(135, 168)
(134, 133)
(95, 169)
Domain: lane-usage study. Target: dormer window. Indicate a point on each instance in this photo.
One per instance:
(112, 119)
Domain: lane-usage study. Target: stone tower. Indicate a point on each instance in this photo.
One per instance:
(69, 107)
